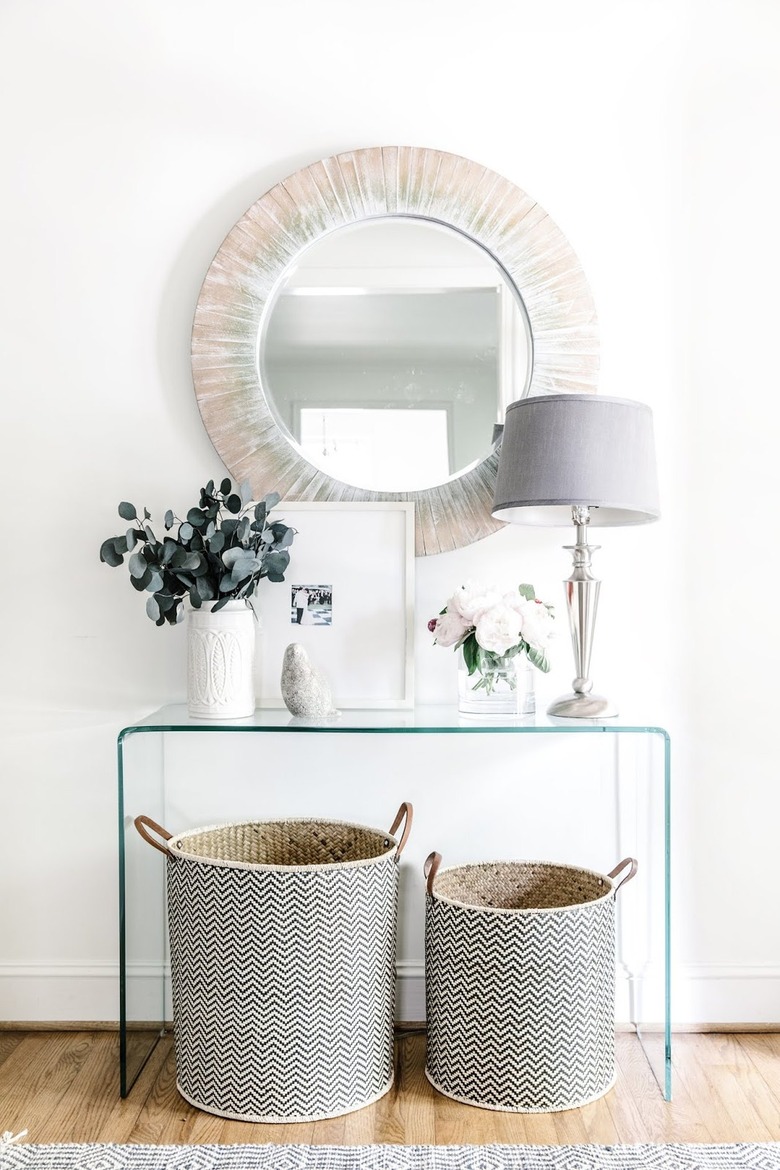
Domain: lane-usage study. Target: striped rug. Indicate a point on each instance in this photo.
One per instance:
(738, 1156)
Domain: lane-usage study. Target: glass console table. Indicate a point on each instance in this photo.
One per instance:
(578, 791)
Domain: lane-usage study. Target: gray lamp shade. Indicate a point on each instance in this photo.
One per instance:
(586, 449)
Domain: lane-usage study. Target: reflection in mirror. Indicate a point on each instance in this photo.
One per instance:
(389, 352)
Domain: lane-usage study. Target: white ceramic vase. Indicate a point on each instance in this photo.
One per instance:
(221, 661)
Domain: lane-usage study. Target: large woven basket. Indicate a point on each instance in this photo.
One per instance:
(520, 983)
(282, 937)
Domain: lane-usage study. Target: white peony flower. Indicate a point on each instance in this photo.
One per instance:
(536, 623)
(450, 628)
(499, 628)
(472, 600)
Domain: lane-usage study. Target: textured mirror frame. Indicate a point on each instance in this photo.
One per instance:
(350, 188)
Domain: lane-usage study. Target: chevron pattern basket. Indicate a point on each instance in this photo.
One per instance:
(282, 937)
(520, 983)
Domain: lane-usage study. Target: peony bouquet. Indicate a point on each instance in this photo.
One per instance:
(491, 626)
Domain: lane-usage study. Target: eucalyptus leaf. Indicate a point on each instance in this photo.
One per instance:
(196, 518)
(140, 583)
(233, 555)
(245, 491)
(137, 565)
(153, 608)
(109, 555)
(155, 582)
(170, 520)
(276, 562)
(195, 600)
(127, 511)
(233, 504)
(271, 500)
(130, 539)
(185, 531)
(226, 487)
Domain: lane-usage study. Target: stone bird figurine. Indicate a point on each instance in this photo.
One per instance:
(305, 690)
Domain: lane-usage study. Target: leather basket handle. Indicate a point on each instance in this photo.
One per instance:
(632, 861)
(143, 823)
(430, 869)
(405, 814)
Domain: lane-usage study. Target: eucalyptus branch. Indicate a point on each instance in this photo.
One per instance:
(232, 573)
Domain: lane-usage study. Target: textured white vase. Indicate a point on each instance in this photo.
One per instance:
(221, 662)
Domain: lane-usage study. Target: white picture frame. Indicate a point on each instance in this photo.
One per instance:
(364, 552)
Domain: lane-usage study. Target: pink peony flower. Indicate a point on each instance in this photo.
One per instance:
(449, 629)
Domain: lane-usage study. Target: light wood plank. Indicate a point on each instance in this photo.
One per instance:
(64, 1086)
(37, 1076)
(121, 1116)
(732, 1084)
(8, 1042)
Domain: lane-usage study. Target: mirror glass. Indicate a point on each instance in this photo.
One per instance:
(389, 351)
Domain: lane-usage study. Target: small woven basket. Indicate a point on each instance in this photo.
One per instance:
(282, 937)
(520, 983)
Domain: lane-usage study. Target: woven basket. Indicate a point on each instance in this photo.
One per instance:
(520, 983)
(282, 937)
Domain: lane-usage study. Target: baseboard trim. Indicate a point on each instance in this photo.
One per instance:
(705, 997)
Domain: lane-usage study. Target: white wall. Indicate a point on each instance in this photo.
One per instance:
(133, 137)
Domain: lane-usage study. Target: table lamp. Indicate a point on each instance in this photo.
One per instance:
(586, 460)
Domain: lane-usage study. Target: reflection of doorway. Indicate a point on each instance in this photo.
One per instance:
(383, 449)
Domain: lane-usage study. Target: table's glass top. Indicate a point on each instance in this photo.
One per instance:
(422, 718)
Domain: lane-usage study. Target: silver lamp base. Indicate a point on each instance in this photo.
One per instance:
(582, 602)
(580, 706)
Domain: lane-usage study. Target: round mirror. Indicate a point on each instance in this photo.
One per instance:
(389, 352)
(364, 325)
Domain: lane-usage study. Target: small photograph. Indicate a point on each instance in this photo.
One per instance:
(312, 605)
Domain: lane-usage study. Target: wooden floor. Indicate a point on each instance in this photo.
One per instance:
(63, 1087)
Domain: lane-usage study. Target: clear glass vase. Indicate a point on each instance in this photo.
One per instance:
(498, 686)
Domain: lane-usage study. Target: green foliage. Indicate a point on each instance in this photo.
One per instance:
(208, 557)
